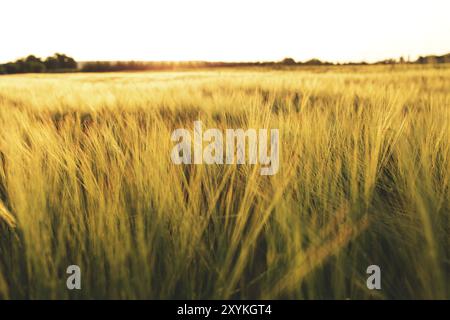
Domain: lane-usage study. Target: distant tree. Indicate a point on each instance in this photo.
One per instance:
(52, 63)
(65, 62)
(314, 62)
(60, 62)
(288, 61)
(33, 64)
(421, 60)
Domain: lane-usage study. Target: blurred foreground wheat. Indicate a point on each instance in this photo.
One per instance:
(86, 179)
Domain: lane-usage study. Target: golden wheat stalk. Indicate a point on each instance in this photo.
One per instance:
(6, 216)
(315, 256)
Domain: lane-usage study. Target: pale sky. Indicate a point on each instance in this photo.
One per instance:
(228, 30)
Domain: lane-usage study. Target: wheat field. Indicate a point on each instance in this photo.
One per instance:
(86, 179)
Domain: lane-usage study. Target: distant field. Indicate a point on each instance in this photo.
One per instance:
(86, 179)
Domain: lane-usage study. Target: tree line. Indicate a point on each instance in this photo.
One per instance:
(32, 64)
(63, 63)
(111, 66)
